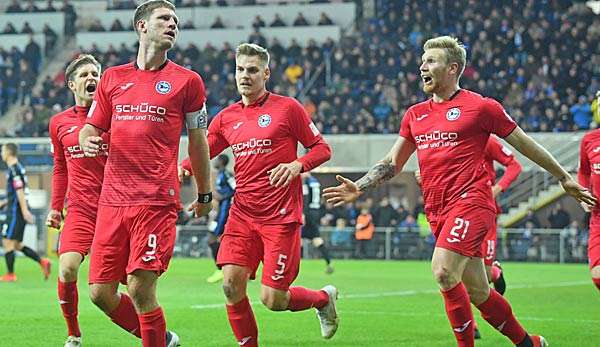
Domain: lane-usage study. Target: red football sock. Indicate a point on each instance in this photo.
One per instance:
(154, 328)
(125, 316)
(596, 282)
(496, 310)
(303, 298)
(243, 324)
(68, 298)
(458, 309)
(496, 272)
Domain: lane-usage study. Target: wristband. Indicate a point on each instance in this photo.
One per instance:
(205, 198)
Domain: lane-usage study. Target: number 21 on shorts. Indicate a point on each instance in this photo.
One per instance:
(279, 272)
(150, 254)
(456, 233)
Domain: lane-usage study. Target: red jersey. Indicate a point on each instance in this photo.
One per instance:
(144, 111)
(81, 175)
(589, 165)
(450, 138)
(262, 136)
(496, 151)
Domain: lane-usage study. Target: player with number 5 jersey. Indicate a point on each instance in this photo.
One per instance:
(263, 130)
(144, 105)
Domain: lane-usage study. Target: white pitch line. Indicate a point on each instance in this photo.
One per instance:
(416, 292)
(407, 314)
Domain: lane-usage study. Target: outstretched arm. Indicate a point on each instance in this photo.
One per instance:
(539, 155)
(381, 172)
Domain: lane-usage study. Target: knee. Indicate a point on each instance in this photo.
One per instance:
(273, 302)
(478, 295)
(444, 277)
(595, 272)
(68, 272)
(233, 291)
(317, 242)
(99, 296)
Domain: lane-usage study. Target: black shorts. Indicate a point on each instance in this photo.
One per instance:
(14, 228)
(310, 229)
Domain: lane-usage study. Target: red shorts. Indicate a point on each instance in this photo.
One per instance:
(131, 238)
(488, 247)
(78, 231)
(246, 244)
(594, 244)
(463, 229)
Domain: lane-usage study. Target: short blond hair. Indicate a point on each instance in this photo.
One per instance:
(454, 49)
(253, 50)
(81, 60)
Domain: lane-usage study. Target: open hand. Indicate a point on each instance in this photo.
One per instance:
(344, 193)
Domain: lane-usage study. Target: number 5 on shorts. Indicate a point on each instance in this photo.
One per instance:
(460, 224)
(152, 245)
(279, 272)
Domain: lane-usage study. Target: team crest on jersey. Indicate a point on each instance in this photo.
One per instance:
(264, 120)
(453, 114)
(163, 87)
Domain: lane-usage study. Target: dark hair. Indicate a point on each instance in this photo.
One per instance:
(82, 59)
(224, 159)
(144, 11)
(12, 148)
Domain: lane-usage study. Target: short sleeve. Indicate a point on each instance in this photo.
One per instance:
(301, 125)
(494, 118)
(216, 141)
(585, 169)
(195, 94)
(405, 126)
(100, 113)
(18, 181)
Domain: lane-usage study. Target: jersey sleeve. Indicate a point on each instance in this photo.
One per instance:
(216, 141)
(500, 153)
(405, 126)
(585, 170)
(301, 126)
(60, 180)
(100, 113)
(494, 118)
(195, 95)
(18, 181)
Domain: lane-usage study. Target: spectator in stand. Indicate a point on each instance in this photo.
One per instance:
(277, 21)
(14, 7)
(116, 26)
(559, 218)
(31, 6)
(300, 21)
(531, 218)
(189, 24)
(258, 22)
(385, 215)
(96, 26)
(221, 3)
(218, 23)
(324, 19)
(50, 38)
(9, 28)
(49, 7)
(70, 18)
(582, 113)
(596, 109)
(27, 29)
(341, 235)
(364, 230)
(257, 38)
(33, 55)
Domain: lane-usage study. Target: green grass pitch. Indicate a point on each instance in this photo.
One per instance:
(391, 303)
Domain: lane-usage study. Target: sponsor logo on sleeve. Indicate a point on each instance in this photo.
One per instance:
(314, 129)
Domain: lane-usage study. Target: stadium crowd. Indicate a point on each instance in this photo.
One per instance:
(536, 57)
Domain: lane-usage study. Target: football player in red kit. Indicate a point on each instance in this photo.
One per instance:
(144, 105)
(82, 177)
(449, 133)
(263, 130)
